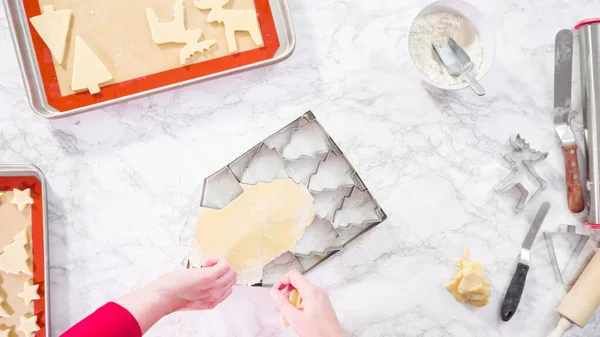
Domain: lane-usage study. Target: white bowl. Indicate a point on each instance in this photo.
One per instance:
(475, 16)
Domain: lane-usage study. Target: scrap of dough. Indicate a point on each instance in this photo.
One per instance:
(174, 31)
(14, 258)
(1, 194)
(296, 300)
(28, 325)
(5, 333)
(3, 311)
(29, 293)
(53, 27)
(88, 71)
(254, 229)
(469, 285)
(22, 198)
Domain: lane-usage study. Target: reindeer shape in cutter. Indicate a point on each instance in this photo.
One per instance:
(234, 21)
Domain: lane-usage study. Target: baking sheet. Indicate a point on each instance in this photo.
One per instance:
(118, 33)
(12, 221)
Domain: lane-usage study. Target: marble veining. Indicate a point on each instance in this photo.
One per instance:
(125, 182)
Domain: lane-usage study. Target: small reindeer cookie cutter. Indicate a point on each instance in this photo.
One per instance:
(522, 156)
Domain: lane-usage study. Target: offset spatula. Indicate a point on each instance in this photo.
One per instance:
(517, 284)
(562, 108)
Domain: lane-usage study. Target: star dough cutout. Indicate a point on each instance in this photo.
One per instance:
(29, 293)
(5, 333)
(28, 326)
(22, 198)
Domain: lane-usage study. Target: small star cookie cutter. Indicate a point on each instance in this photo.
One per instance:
(522, 156)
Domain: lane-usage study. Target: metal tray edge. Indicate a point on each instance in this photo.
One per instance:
(16, 167)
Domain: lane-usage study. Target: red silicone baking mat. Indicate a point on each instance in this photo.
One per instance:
(37, 240)
(150, 81)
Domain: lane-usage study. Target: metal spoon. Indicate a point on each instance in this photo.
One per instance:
(467, 65)
(451, 61)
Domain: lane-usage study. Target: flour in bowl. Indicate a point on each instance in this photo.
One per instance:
(437, 28)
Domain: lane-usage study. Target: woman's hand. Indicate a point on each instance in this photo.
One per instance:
(199, 288)
(192, 289)
(315, 317)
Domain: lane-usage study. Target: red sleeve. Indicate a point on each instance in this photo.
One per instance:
(111, 320)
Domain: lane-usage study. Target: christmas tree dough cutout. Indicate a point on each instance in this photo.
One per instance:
(28, 325)
(88, 71)
(29, 293)
(21, 198)
(175, 32)
(53, 27)
(15, 257)
(5, 333)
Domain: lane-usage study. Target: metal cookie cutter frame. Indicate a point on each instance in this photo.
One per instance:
(583, 240)
(520, 148)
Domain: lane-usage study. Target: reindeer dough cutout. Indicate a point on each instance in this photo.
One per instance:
(523, 156)
(174, 31)
(235, 21)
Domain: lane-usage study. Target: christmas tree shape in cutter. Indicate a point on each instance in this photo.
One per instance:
(89, 73)
(234, 21)
(54, 27)
(28, 325)
(358, 209)
(282, 137)
(175, 32)
(15, 257)
(22, 198)
(29, 293)
(265, 166)
(273, 271)
(308, 139)
(327, 202)
(320, 238)
(220, 189)
(301, 169)
(239, 165)
(332, 174)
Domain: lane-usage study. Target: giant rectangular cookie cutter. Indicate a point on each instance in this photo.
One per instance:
(348, 201)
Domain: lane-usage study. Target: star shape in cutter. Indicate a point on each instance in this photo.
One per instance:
(29, 293)
(28, 325)
(22, 198)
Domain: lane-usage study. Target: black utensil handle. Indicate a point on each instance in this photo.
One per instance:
(514, 293)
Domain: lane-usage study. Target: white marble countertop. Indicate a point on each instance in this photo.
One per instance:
(125, 181)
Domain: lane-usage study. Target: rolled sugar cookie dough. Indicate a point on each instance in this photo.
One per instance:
(254, 229)
(469, 284)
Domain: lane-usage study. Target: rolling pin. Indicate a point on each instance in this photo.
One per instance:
(580, 304)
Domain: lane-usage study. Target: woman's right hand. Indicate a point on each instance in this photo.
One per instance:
(315, 317)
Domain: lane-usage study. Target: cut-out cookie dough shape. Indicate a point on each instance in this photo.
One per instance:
(88, 71)
(15, 257)
(235, 21)
(175, 32)
(3, 311)
(5, 333)
(255, 228)
(21, 198)
(53, 27)
(29, 293)
(469, 284)
(28, 325)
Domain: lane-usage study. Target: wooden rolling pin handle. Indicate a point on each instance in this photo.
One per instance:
(572, 173)
(563, 325)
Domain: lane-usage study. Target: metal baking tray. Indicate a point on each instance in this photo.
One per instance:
(42, 306)
(227, 180)
(28, 63)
